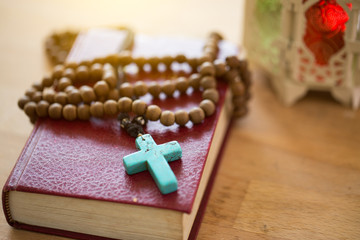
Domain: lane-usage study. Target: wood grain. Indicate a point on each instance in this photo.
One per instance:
(287, 173)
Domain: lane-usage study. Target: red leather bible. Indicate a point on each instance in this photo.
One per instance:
(70, 180)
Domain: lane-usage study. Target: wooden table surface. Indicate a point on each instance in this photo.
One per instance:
(286, 173)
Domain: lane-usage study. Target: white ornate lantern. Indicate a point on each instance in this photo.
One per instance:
(307, 45)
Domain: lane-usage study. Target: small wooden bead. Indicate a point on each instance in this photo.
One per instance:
(71, 65)
(113, 94)
(69, 73)
(110, 79)
(61, 98)
(194, 80)
(47, 81)
(154, 62)
(215, 35)
(125, 104)
(42, 108)
(37, 97)
(112, 59)
(208, 82)
(153, 113)
(83, 112)
(193, 63)
(140, 88)
(204, 58)
(125, 58)
(182, 84)
(207, 68)
(55, 111)
(168, 87)
(30, 92)
(180, 58)
(211, 94)
(220, 67)
(74, 97)
(68, 89)
(154, 89)
(139, 107)
(96, 72)
(167, 118)
(240, 111)
(82, 74)
(30, 109)
(38, 86)
(69, 112)
(97, 109)
(63, 83)
(58, 72)
(237, 88)
(48, 95)
(126, 90)
(181, 117)
(196, 115)
(87, 94)
(23, 101)
(110, 107)
(208, 106)
(167, 60)
(86, 63)
(101, 88)
(140, 62)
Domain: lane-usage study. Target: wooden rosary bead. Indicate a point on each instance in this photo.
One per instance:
(167, 60)
(23, 101)
(196, 115)
(38, 86)
(55, 111)
(126, 90)
(204, 58)
(211, 94)
(125, 58)
(47, 81)
(30, 109)
(30, 92)
(42, 108)
(69, 73)
(101, 88)
(180, 58)
(87, 94)
(192, 63)
(208, 107)
(113, 94)
(207, 68)
(237, 88)
(63, 83)
(112, 59)
(68, 89)
(140, 62)
(154, 62)
(110, 107)
(96, 72)
(110, 79)
(69, 112)
(82, 74)
(48, 95)
(220, 67)
(167, 118)
(86, 63)
(182, 84)
(37, 97)
(240, 111)
(168, 87)
(208, 82)
(154, 89)
(58, 72)
(74, 97)
(194, 80)
(71, 65)
(61, 98)
(125, 104)
(83, 112)
(139, 107)
(153, 113)
(140, 88)
(216, 36)
(97, 109)
(181, 117)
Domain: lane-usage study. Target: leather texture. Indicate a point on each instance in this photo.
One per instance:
(83, 159)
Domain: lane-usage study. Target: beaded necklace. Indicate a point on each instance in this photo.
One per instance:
(91, 89)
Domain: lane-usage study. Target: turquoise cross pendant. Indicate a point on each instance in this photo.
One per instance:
(154, 158)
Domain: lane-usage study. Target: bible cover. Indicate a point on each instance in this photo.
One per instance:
(83, 159)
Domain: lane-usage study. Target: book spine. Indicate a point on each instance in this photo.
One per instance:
(17, 171)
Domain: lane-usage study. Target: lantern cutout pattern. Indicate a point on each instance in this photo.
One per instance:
(307, 45)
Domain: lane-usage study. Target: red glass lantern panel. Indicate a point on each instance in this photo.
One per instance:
(325, 27)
